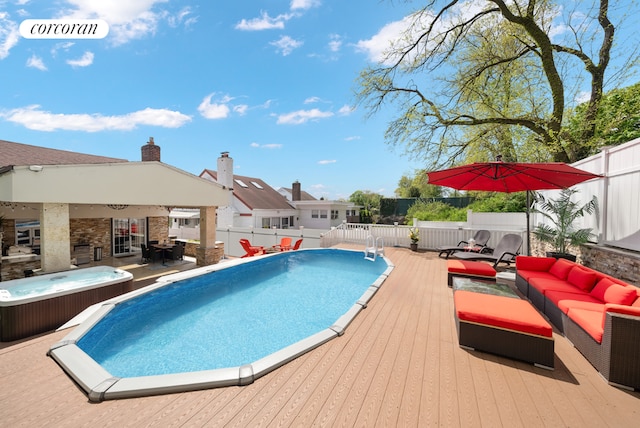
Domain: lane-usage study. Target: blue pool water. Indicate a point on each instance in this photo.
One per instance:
(230, 317)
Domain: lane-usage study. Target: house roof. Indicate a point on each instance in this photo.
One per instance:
(304, 196)
(24, 154)
(254, 192)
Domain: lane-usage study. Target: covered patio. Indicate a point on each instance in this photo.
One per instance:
(84, 205)
(398, 364)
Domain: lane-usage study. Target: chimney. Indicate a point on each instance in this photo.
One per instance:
(225, 170)
(296, 193)
(150, 152)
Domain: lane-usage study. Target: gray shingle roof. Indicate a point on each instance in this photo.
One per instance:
(24, 154)
(254, 197)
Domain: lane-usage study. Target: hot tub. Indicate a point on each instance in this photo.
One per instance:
(38, 304)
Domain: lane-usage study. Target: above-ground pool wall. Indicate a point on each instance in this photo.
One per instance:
(28, 319)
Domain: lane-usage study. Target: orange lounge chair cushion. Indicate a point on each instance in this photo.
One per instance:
(502, 312)
(470, 268)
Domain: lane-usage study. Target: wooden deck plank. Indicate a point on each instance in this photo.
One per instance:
(398, 364)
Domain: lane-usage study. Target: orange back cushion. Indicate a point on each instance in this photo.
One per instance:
(582, 278)
(561, 268)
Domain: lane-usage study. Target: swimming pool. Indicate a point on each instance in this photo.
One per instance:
(221, 325)
(33, 305)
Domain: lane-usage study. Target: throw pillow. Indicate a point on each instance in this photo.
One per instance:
(561, 268)
(620, 295)
(600, 288)
(582, 278)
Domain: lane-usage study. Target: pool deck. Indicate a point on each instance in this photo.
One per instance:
(398, 364)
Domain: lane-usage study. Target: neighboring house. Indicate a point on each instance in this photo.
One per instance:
(54, 203)
(300, 194)
(256, 204)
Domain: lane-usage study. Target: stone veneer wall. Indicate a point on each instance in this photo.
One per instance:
(8, 228)
(158, 229)
(93, 231)
(618, 263)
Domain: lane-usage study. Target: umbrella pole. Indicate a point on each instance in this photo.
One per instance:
(528, 224)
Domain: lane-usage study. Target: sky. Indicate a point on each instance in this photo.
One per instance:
(270, 81)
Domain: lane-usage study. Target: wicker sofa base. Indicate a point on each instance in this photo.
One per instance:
(537, 350)
(617, 358)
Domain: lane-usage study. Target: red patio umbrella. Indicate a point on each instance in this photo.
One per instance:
(511, 177)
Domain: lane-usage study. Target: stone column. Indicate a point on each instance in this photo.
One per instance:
(55, 244)
(209, 252)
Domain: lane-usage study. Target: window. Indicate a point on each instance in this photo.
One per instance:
(334, 215)
(315, 213)
(323, 213)
(240, 182)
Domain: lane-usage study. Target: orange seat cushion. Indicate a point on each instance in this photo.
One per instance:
(502, 312)
(470, 268)
(590, 321)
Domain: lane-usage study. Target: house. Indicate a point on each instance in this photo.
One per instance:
(258, 205)
(54, 203)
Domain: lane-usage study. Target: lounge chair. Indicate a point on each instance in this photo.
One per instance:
(251, 250)
(284, 245)
(505, 251)
(296, 246)
(481, 237)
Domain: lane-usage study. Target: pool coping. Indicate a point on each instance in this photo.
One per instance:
(100, 385)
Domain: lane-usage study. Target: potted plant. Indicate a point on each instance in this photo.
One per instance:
(414, 235)
(562, 213)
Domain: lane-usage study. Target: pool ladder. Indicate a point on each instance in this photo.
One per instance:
(374, 247)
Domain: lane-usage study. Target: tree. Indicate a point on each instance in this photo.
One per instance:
(417, 187)
(617, 121)
(465, 74)
(367, 199)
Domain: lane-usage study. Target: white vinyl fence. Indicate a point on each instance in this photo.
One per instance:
(618, 192)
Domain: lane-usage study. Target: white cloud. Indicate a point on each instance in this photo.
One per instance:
(312, 100)
(346, 110)
(36, 62)
(302, 116)
(327, 161)
(241, 109)
(286, 45)
(84, 61)
(128, 20)
(32, 117)
(9, 34)
(65, 46)
(335, 42)
(304, 4)
(266, 146)
(216, 110)
(264, 22)
(184, 16)
(582, 97)
(377, 46)
(352, 138)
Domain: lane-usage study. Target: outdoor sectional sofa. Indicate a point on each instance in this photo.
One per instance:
(599, 314)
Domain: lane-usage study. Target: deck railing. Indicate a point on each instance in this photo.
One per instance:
(398, 235)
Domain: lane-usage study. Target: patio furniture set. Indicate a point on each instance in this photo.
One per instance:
(598, 314)
(256, 250)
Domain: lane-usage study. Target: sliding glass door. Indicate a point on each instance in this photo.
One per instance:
(128, 235)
